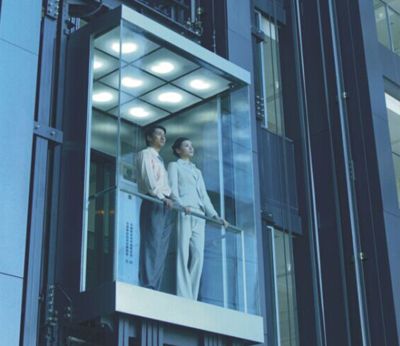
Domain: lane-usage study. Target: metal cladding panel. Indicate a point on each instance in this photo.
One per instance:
(138, 301)
(10, 312)
(26, 33)
(17, 105)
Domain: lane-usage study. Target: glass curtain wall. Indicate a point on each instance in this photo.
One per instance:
(138, 80)
(393, 111)
(268, 51)
(387, 18)
(279, 251)
(284, 287)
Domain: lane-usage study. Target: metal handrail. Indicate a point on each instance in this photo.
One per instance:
(158, 201)
(102, 192)
(180, 208)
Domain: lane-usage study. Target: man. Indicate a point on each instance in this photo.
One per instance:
(156, 220)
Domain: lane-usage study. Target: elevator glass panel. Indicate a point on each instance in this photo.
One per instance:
(139, 80)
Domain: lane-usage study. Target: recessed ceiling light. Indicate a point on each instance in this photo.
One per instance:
(97, 64)
(130, 82)
(127, 47)
(162, 67)
(170, 97)
(103, 96)
(199, 84)
(138, 112)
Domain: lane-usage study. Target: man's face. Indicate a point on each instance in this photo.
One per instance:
(157, 139)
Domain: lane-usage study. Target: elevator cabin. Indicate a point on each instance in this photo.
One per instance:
(125, 72)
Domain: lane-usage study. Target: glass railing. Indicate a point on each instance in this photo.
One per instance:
(100, 237)
(113, 249)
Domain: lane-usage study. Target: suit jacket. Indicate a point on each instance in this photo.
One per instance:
(187, 184)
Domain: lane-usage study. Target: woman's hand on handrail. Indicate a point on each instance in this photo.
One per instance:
(187, 210)
(222, 221)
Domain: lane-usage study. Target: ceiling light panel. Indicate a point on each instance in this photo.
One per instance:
(165, 64)
(103, 64)
(132, 47)
(170, 98)
(203, 83)
(133, 81)
(105, 98)
(139, 112)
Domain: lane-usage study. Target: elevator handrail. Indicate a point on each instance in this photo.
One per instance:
(102, 192)
(180, 208)
(158, 201)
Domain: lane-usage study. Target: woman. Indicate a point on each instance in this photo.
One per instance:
(188, 187)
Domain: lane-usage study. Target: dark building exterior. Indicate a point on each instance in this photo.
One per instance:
(293, 108)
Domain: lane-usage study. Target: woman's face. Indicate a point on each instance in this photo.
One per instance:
(186, 150)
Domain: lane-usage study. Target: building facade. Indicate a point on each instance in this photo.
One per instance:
(293, 108)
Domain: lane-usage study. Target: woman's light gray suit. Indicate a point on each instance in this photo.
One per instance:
(188, 187)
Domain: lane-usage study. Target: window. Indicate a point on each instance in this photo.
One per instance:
(269, 85)
(393, 110)
(284, 290)
(387, 17)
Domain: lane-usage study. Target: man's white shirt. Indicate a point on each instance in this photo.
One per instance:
(152, 176)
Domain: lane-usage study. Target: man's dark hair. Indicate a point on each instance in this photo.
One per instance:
(150, 130)
(177, 144)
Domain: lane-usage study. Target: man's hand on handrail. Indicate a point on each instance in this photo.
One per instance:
(168, 202)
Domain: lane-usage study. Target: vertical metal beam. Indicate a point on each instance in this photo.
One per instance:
(222, 203)
(36, 224)
(126, 330)
(37, 213)
(242, 240)
(318, 293)
(276, 293)
(351, 195)
(152, 333)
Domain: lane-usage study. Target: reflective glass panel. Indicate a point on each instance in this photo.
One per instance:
(285, 289)
(394, 21)
(271, 80)
(393, 110)
(381, 23)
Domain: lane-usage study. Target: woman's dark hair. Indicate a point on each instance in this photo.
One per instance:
(150, 130)
(177, 144)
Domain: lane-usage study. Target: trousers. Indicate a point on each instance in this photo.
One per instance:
(156, 223)
(190, 255)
